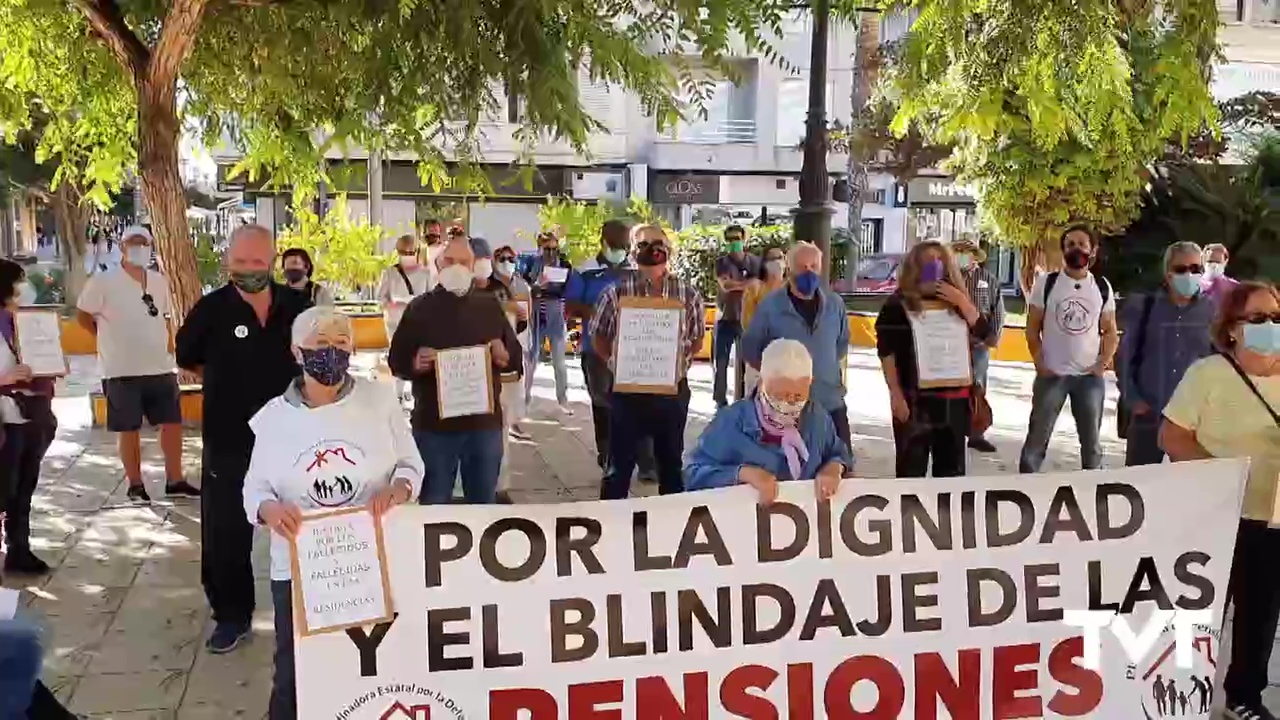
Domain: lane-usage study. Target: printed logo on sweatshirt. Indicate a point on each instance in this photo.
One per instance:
(333, 471)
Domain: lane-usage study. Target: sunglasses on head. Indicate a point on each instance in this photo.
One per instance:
(152, 310)
(1260, 318)
(1195, 269)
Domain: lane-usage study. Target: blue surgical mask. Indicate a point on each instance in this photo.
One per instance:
(1186, 284)
(1262, 338)
(807, 282)
(615, 256)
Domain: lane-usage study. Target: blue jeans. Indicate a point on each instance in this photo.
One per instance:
(477, 453)
(722, 341)
(20, 660)
(284, 681)
(548, 322)
(1048, 395)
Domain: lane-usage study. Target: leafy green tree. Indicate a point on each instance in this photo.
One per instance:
(291, 80)
(578, 222)
(1055, 108)
(345, 251)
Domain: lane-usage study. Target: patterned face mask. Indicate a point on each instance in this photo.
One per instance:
(252, 282)
(326, 365)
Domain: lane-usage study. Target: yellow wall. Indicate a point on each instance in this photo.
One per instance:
(371, 334)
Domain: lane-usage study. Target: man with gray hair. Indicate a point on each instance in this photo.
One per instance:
(1216, 284)
(1164, 332)
(239, 339)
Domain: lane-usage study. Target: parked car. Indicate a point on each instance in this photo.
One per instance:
(878, 273)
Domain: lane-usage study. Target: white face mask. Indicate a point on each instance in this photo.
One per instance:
(506, 269)
(483, 268)
(138, 255)
(409, 261)
(24, 293)
(456, 279)
(1214, 269)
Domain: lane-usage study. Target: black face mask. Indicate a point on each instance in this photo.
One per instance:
(1076, 259)
(651, 255)
(295, 275)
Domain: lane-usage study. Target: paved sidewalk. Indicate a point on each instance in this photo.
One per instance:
(125, 609)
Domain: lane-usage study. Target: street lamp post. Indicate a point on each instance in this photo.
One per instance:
(813, 220)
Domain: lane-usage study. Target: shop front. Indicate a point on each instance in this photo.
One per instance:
(937, 209)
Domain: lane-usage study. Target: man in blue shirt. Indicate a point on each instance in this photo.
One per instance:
(809, 311)
(1164, 333)
(547, 276)
(581, 294)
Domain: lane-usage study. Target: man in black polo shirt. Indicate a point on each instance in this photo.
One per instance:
(238, 338)
(733, 272)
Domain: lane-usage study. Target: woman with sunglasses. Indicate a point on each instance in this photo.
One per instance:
(1228, 405)
(26, 411)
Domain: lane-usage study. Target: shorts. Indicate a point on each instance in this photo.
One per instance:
(130, 399)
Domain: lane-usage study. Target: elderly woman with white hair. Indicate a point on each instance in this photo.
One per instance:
(775, 434)
(330, 441)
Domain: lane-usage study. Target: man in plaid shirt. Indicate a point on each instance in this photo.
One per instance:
(637, 415)
(984, 291)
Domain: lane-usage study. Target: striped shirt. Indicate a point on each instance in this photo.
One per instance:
(604, 321)
(984, 291)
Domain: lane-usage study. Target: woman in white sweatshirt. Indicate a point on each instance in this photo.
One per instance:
(329, 441)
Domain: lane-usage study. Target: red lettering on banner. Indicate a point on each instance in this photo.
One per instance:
(735, 698)
(935, 682)
(891, 694)
(1064, 669)
(1014, 676)
(655, 701)
(585, 699)
(507, 704)
(1009, 677)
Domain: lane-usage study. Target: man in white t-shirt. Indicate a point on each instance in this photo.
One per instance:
(127, 308)
(1071, 332)
(402, 282)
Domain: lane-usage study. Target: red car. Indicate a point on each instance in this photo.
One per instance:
(878, 274)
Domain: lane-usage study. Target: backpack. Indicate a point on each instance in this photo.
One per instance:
(1104, 287)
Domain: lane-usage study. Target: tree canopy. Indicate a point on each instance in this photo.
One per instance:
(288, 80)
(1055, 109)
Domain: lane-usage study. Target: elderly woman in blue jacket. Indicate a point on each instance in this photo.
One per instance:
(775, 434)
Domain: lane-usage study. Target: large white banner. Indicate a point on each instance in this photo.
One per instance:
(937, 598)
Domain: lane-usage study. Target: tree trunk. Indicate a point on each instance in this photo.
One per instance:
(864, 78)
(158, 137)
(72, 220)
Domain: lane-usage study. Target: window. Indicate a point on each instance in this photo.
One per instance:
(793, 98)
(1231, 11)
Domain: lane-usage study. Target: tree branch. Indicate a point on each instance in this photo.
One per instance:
(108, 23)
(177, 37)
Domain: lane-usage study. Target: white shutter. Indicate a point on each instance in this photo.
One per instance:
(598, 99)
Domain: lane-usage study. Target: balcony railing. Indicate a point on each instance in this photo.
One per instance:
(1253, 12)
(713, 132)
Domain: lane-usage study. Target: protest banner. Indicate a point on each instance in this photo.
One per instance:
(897, 599)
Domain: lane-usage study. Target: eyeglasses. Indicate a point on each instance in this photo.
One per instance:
(152, 310)
(1260, 318)
(505, 258)
(1193, 269)
(734, 238)
(433, 236)
(656, 244)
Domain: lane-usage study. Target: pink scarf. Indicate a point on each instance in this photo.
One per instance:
(792, 443)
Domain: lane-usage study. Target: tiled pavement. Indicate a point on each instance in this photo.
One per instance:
(125, 613)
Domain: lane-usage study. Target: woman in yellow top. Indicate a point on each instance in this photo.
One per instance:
(773, 273)
(1228, 405)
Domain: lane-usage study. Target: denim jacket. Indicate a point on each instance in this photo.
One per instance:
(828, 341)
(733, 439)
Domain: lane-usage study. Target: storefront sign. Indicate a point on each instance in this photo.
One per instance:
(684, 189)
(939, 191)
(895, 599)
